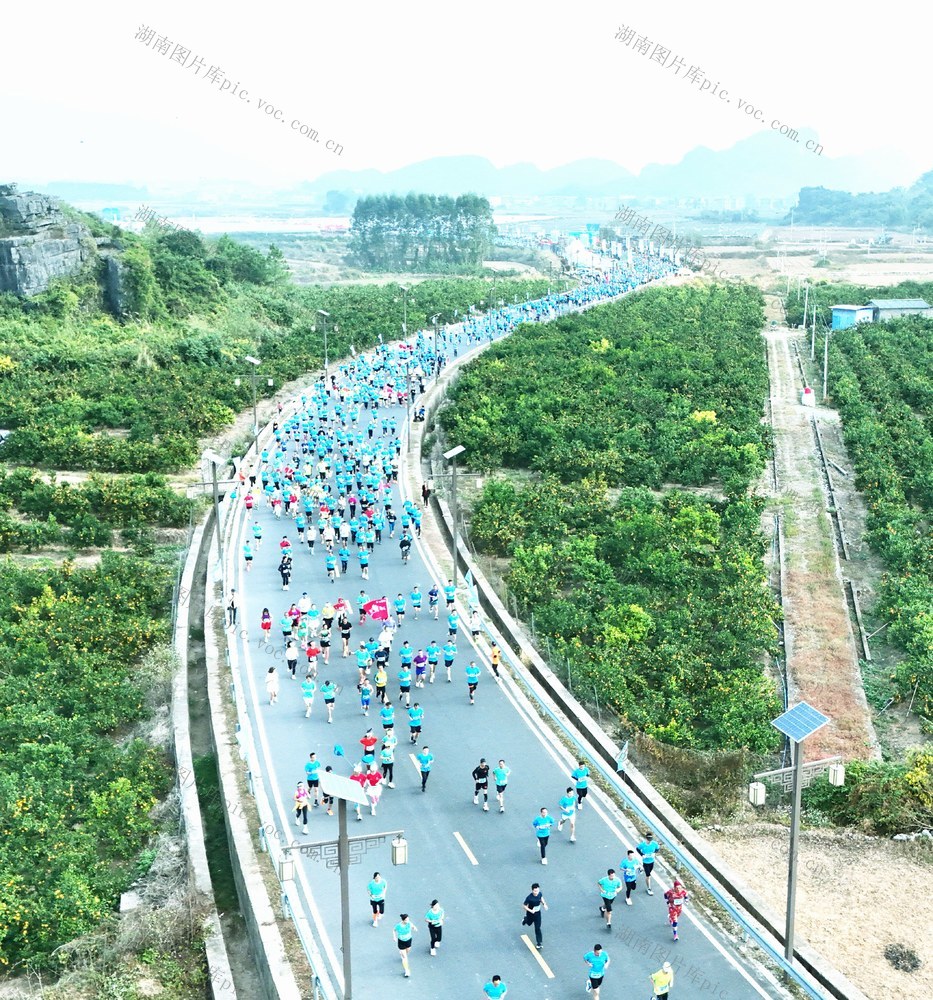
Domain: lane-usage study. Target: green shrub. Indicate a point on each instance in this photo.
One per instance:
(877, 797)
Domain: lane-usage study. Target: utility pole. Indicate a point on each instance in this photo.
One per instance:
(216, 460)
(451, 457)
(813, 335)
(806, 299)
(254, 363)
(404, 310)
(324, 316)
(825, 361)
(408, 397)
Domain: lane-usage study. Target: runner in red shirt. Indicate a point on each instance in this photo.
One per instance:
(369, 742)
(313, 652)
(373, 786)
(675, 897)
(360, 778)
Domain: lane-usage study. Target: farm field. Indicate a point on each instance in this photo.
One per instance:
(659, 602)
(881, 381)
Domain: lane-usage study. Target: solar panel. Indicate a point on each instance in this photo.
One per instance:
(800, 722)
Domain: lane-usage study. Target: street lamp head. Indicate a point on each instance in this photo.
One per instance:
(252, 360)
(454, 452)
(323, 312)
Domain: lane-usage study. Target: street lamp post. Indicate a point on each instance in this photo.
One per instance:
(254, 362)
(408, 395)
(344, 790)
(216, 460)
(825, 357)
(404, 309)
(324, 316)
(451, 457)
(796, 724)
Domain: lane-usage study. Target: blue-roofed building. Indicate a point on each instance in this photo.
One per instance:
(883, 309)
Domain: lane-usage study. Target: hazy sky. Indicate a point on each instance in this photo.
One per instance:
(514, 81)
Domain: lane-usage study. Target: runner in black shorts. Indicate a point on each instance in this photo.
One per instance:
(377, 897)
(481, 783)
(648, 850)
(328, 800)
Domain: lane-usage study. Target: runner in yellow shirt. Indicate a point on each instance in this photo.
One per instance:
(495, 657)
(662, 980)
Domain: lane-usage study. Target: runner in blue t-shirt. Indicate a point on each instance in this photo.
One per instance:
(415, 720)
(648, 849)
(495, 989)
(377, 897)
(425, 760)
(542, 824)
(433, 652)
(568, 813)
(581, 775)
(598, 961)
(329, 693)
(402, 934)
(450, 651)
(312, 769)
(404, 684)
(308, 688)
(609, 886)
(629, 868)
(501, 774)
(472, 676)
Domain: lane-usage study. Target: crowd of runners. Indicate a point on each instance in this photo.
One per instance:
(326, 493)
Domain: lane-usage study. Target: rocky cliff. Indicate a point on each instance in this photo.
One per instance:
(37, 243)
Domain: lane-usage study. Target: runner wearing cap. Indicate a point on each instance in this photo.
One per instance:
(662, 980)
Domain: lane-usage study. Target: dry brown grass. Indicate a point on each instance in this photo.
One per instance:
(822, 659)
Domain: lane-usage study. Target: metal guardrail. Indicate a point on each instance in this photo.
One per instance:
(292, 908)
(651, 821)
(613, 780)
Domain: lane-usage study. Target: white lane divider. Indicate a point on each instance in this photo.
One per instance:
(466, 850)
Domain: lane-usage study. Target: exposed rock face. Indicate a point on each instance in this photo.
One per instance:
(115, 286)
(37, 244)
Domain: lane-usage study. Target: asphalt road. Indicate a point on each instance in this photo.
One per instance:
(480, 865)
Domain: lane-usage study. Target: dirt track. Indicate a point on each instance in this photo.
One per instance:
(821, 651)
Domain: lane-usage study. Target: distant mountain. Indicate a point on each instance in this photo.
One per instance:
(765, 165)
(458, 174)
